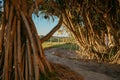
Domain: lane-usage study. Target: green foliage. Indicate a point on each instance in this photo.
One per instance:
(1, 6)
(68, 46)
(30, 2)
(61, 3)
(44, 77)
(49, 76)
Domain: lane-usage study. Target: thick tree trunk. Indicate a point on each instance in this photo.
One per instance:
(22, 56)
(96, 39)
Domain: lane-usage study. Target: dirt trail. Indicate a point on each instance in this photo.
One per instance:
(89, 70)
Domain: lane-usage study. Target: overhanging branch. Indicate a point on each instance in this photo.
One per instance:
(45, 38)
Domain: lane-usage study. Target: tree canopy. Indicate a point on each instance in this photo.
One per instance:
(95, 24)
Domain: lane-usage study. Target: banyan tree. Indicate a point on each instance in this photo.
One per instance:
(95, 24)
(21, 53)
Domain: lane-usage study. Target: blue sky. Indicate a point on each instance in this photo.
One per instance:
(44, 25)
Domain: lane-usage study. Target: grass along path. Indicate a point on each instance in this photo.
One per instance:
(62, 45)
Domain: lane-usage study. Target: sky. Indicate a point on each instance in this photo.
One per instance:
(44, 25)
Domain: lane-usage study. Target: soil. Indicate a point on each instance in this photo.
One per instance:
(67, 65)
(64, 73)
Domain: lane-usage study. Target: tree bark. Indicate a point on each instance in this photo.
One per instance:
(45, 38)
(22, 53)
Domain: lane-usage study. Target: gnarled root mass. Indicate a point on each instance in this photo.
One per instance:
(21, 53)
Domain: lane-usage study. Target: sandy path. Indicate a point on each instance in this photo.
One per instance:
(87, 70)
